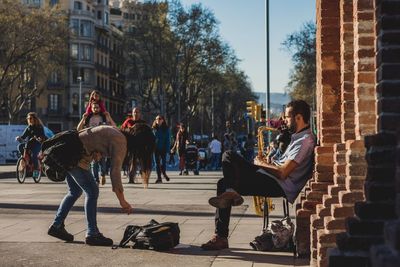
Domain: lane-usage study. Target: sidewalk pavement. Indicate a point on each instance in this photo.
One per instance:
(26, 211)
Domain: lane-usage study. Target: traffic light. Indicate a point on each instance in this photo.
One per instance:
(251, 108)
(258, 112)
(263, 115)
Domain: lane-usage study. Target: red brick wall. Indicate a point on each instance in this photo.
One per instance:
(345, 96)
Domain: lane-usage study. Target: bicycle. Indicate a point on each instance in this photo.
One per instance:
(25, 167)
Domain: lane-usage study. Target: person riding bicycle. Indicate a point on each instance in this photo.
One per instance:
(34, 134)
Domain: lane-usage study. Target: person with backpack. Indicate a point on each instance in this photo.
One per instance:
(94, 143)
(96, 118)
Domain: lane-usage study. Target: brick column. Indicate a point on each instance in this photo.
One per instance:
(385, 180)
(364, 106)
(328, 110)
(366, 229)
(333, 222)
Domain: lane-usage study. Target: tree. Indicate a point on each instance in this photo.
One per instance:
(302, 47)
(176, 58)
(32, 46)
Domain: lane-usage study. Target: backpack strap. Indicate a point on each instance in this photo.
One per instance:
(131, 231)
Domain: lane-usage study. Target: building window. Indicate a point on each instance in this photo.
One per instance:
(74, 51)
(77, 5)
(75, 26)
(85, 73)
(126, 15)
(99, 15)
(86, 52)
(75, 103)
(53, 2)
(53, 102)
(86, 28)
(87, 76)
(33, 2)
(106, 19)
(55, 77)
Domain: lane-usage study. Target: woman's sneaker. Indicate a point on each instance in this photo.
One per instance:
(99, 240)
(60, 233)
(35, 174)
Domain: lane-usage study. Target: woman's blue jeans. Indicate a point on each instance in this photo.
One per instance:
(79, 180)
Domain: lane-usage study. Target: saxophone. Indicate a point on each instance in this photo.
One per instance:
(258, 201)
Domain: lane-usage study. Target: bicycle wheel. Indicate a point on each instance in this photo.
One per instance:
(21, 170)
(37, 179)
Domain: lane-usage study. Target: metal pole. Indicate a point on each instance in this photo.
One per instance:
(80, 95)
(268, 105)
(179, 98)
(212, 111)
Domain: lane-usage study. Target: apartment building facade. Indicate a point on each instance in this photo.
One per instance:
(95, 62)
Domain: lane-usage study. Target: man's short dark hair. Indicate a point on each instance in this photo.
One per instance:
(300, 107)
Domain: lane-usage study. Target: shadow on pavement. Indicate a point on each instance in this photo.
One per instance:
(247, 255)
(177, 210)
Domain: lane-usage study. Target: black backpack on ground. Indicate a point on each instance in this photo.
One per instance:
(154, 235)
(278, 237)
(60, 153)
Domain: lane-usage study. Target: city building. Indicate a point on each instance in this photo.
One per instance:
(95, 61)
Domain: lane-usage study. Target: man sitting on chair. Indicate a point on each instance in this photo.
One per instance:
(285, 178)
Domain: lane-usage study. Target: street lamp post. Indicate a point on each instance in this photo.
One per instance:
(179, 97)
(79, 79)
(268, 100)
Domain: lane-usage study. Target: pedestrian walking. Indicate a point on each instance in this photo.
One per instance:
(215, 147)
(163, 136)
(180, 145)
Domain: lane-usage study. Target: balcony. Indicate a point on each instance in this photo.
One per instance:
(83, 13)
(55, 85)
(102, 68)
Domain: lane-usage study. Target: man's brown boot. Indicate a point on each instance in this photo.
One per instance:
(226, 200)
(216, 243)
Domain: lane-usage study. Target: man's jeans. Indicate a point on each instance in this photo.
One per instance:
(96, 166)
(242, 176)
(79, 180)
(215, 160)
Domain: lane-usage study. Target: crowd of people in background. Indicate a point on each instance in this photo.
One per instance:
(168, 145)
(102, 147)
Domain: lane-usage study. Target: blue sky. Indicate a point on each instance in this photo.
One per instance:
(242, 25)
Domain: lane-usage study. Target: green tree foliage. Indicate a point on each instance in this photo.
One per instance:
(176, 57)
(301, 46)
(32, 45)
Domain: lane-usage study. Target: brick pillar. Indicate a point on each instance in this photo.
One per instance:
(364, 106)
(333, 222)
(385, 179)
(367, 228)
(311, 213)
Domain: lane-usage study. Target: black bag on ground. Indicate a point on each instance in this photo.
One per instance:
(154, 235)
(60, 153)
(278, 237)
